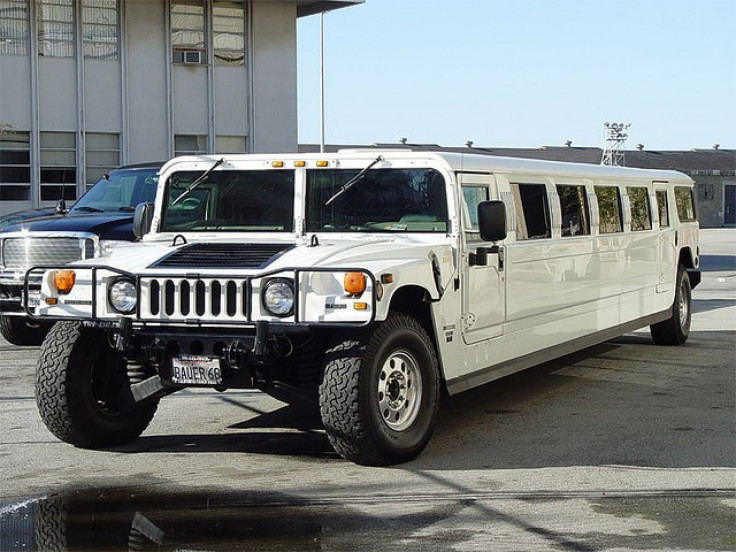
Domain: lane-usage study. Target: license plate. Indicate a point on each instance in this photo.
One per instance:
(34, 299)
(196, 370)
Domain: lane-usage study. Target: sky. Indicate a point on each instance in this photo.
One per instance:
(522, 73)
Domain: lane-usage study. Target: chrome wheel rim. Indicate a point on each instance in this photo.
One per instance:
(399, 390)
(683, 307)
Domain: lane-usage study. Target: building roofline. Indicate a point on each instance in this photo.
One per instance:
(312, 7)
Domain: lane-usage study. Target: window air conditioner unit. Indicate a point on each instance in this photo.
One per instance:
(192, 56)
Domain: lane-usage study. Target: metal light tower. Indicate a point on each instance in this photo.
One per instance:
(616, 136)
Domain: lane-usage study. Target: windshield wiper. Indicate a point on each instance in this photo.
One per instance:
(88, 209)
(198, 181)
(349, 184)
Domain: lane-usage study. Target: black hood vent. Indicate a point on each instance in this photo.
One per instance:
(223, 255)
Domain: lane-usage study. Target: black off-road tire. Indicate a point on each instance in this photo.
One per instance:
(676, 329)
(379, 396)
(83, 391)
(20, 330)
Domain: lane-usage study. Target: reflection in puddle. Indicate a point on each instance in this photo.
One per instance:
(105, 520)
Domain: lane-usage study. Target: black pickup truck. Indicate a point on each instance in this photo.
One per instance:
(100, 219)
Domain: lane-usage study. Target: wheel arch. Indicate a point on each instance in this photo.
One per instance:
(415, 301)
(688, 259)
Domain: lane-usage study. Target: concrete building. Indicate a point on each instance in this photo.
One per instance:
(87, 85)
(713, 170)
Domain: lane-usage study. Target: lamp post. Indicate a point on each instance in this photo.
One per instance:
(322, 82)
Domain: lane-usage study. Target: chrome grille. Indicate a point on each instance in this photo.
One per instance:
(171, 299)
(24, 252)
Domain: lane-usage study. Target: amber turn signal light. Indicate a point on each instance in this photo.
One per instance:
(354, 283)
(64, 281)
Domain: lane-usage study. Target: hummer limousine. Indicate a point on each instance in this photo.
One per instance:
(368, 281)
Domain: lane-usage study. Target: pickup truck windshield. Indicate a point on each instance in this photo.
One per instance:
(235, 201)
(384, 200)
(120, 190)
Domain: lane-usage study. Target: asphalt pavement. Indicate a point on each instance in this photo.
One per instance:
(623, 446)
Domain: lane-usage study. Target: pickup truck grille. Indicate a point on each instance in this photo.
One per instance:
(24, 252)
(182, 299)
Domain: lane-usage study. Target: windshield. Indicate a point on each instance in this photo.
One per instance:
(383, 200)
(121, 190)
(237, 201)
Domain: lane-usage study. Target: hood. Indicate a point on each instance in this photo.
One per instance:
(29, 214)
(108, 226)
(259, 255)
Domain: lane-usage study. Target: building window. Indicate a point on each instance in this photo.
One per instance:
(190, 144)
(58, 166)
(532, 211)
(102, 153)
(55, 19)
(641, 215)
(228, 26)
(230, 144)
(15, 165)
(188, 31)
(574, 209)
(609, 209)
(14, 25)
(100, 29)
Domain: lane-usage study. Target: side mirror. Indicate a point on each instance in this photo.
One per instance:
(492, 220)
(142, 219)
(61, 207)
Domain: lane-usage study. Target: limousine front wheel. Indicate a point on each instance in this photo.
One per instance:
(83, 390)
(379, 396)
(676, 329)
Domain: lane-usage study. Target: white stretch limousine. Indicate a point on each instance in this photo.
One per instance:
(366, 281)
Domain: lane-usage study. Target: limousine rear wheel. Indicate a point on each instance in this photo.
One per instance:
(83, 390)
(676, 329)
(379, 396)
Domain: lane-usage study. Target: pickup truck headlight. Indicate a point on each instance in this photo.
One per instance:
(107, 247)
(278, 296)
(123, 295)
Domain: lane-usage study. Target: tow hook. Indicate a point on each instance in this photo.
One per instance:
(235, 354)
(122, 336)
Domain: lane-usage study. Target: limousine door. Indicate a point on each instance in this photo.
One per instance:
(483, 282)
(667, 239)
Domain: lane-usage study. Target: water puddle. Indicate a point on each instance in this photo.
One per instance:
(135, 520)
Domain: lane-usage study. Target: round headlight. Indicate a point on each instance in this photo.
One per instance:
(123, 296)
(278, 297)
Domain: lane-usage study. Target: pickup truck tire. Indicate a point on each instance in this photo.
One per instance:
(83, 391)
(379, 396)
(19, 330)
(676, 329)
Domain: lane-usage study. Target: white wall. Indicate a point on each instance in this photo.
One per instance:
(274, 77)
(147, 100)
(146, 66)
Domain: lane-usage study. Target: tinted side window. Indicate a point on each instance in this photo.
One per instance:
(685, 204)
(641, 216)
(532, 211)
(574, 207)
(609, 208)
(664, 211)
(472, 196)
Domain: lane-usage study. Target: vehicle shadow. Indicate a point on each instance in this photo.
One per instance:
(717, 263)
(624, 402)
